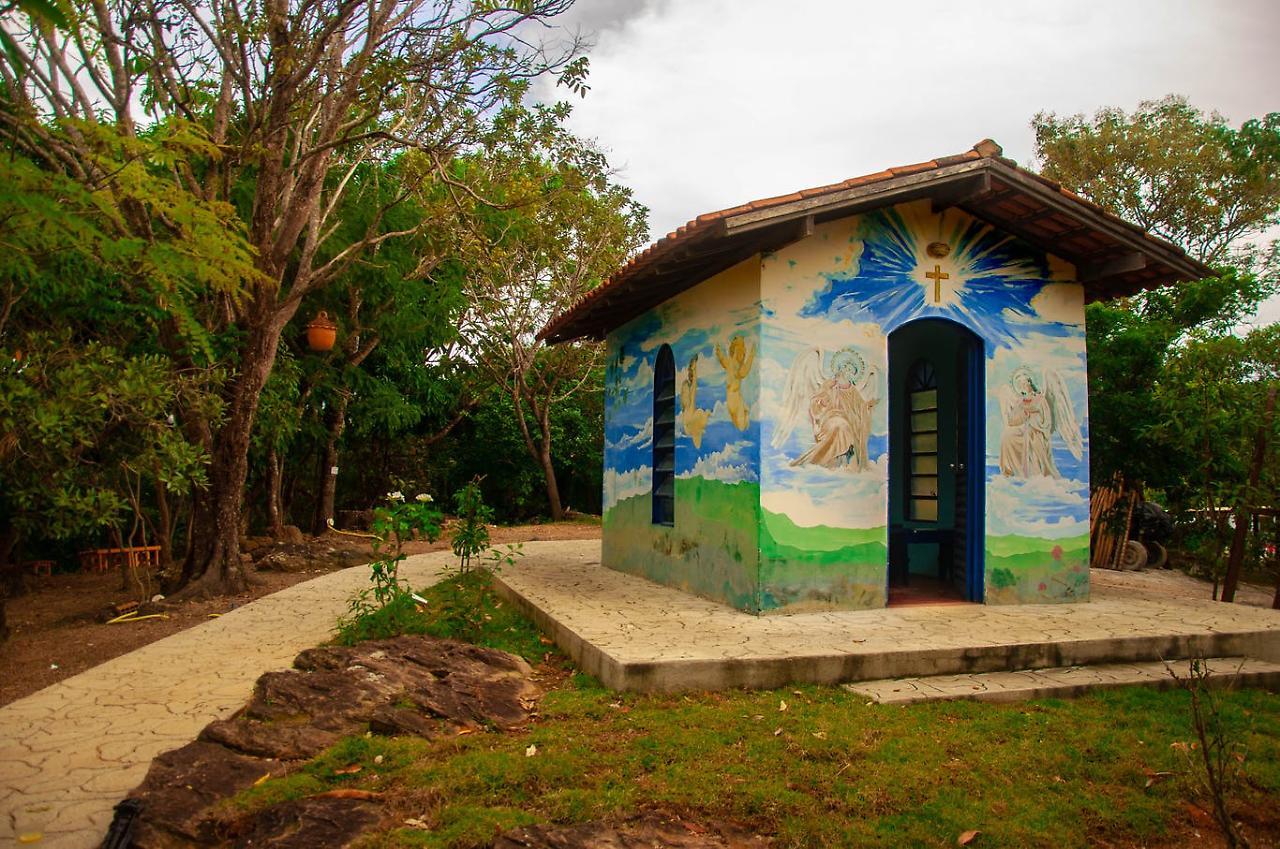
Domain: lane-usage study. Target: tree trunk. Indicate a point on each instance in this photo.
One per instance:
(164, 527)
(11, 583)
(1241, 536)
(329, 468)
(213, 563)
(544, 460)
(549, 475)
(275, 503)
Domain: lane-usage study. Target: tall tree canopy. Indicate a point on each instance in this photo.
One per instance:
(277, 106)
(1210, 188)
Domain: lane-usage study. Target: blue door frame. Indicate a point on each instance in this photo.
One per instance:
(975, 359)
(976, 479)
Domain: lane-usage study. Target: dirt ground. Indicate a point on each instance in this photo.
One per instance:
(59, 627)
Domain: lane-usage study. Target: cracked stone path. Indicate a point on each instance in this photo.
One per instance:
(637, 635)
(69, 752)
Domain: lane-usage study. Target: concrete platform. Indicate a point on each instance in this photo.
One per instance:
(1063, 682)
(633, 634)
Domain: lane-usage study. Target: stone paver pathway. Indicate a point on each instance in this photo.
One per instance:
(1062, 682)
(636, 635)
(69, 752)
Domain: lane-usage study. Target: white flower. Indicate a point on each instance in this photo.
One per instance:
(423, 497)
(395, 496)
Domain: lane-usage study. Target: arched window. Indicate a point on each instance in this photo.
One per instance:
(922, 443)
(664, 438)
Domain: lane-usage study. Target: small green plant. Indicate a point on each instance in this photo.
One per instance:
(387, 608)
(1214, 758)
(471, 534)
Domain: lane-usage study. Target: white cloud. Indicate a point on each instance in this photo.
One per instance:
(838, 498)
(1061, 302)
(622, 485)
(1041, 507)
(642, 436)
(729, 465)
(830, 90)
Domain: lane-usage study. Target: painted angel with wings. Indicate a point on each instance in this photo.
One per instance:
(1034, 408)
(838, 406)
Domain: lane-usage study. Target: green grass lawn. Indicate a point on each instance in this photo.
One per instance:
(828, 770)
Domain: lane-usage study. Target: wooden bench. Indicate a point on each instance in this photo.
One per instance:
(40, 567)
(105, 559)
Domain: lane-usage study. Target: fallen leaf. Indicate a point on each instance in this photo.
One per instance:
(348, 770)
(377, 759)
(777, 731)
(531, 751)
(414, 822)
(821, 735)
(264, 777)
(782, 706)
(967, 837)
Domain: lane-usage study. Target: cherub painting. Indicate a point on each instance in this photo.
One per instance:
(693, 419)
(838, 406)
(1034, 408)
(737, 365)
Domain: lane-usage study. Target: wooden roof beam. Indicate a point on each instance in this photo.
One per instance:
(1117, 266)
(969, 190)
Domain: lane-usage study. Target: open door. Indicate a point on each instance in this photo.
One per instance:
(936, 463)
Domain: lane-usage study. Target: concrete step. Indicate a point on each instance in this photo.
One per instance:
(1063, 681)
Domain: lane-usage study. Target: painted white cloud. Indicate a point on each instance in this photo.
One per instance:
(642, 380)
(1060, 302)
(622, 485)
(642, 436)
(1041, 507)
(838, 498)
(730, 464)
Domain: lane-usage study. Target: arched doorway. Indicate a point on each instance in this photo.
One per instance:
(936, 463)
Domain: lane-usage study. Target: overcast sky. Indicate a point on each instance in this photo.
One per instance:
(703, 104)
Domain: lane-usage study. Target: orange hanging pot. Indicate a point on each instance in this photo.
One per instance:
(322, 332)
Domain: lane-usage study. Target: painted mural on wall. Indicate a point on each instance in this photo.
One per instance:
(712, 548)
(1036, 407)
(829, 304)
(782, 425)
(837, 405)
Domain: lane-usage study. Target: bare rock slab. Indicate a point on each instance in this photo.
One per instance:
(310, 823)
(407, 685)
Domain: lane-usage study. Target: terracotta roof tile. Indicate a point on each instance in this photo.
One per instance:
(820, 190)
(767, 202)
(700, 228)
(904, 170)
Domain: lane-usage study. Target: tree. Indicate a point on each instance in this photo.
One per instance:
(1205, 186)
(555, 227)
(1185, 176)
(291, 99)
(88, 400)
(398, 300)
(1212, 412)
